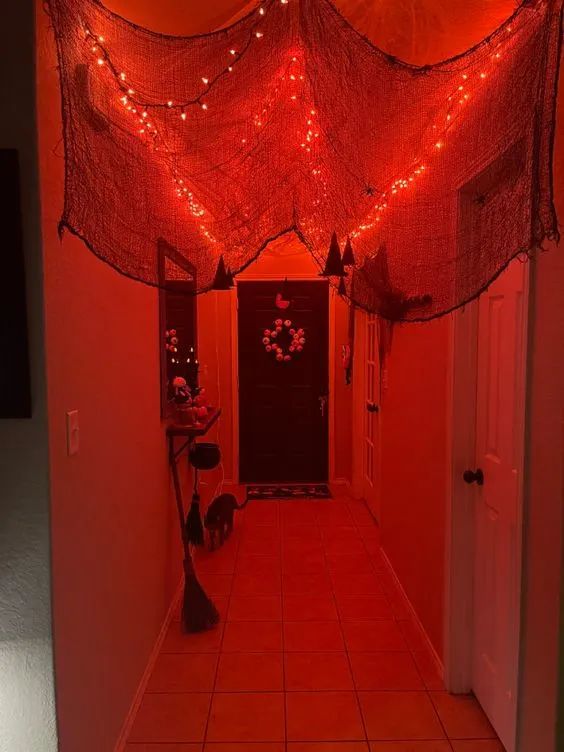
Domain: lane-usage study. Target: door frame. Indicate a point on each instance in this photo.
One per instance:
(359, 406)
(332, 345)
(461, 448)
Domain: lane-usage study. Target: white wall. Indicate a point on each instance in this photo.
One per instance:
(27, 707)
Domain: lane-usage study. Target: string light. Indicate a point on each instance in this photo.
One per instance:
(450, 119)
(209, 82)
(455, 102)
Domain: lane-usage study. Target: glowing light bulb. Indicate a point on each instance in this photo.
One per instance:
(101, 39)
(100, 61)
(233, 52)
(205, 80)
(262, 11)
(122, 76)
(204, 106)
(130, 91)
(169, 103)
(259, 34)
(439, 145)
(183, 115)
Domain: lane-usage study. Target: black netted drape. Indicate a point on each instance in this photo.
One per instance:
(291, 121)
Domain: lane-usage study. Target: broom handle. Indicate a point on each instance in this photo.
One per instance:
(177, 487)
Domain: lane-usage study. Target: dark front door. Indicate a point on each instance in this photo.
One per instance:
(283, 422)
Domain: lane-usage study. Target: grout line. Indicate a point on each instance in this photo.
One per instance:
(345, 646)
(283, 621)
(357, 691)
(409, 647)
(386, 594)
(223, 628)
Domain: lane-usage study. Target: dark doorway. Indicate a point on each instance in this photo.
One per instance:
(283, 408)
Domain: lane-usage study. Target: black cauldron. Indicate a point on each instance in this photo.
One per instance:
(205, 456)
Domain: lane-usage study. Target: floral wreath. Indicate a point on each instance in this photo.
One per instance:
(271, 337)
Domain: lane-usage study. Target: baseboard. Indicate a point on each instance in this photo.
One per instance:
(413, 613)
(140, 691)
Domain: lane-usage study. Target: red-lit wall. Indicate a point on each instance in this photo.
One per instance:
(414, 466)
(414, 419)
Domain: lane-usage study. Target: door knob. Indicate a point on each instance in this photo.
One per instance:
(474, 476)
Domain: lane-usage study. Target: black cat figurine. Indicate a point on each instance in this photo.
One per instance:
(218, 519)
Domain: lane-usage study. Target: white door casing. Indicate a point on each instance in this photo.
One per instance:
(366, 377)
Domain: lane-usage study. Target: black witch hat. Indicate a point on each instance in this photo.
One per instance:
(348, 254)
(334, 263)
(223, 279)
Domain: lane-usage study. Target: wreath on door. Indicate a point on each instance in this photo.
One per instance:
(284, 340)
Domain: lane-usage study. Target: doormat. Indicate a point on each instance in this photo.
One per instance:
(294, 491)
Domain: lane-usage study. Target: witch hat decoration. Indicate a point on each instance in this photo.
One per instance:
(348, 254)
(230, 277)
(221, 279)
(342, 289)
(334, 263)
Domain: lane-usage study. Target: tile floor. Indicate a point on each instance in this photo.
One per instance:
(316, 651)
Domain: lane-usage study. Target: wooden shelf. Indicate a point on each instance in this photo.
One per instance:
(195, 429)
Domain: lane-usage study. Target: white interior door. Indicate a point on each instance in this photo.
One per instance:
(497, 511)
(370, 408)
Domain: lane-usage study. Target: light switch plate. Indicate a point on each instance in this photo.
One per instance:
(73, 433)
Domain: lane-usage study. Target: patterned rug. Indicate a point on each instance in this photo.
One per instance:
(291, 491)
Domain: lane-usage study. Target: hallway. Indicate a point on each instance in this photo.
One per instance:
(316, 651)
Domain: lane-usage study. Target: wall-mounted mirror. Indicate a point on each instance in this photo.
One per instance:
(177, 321)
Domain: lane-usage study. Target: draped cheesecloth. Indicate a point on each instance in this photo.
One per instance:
(291, 121)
